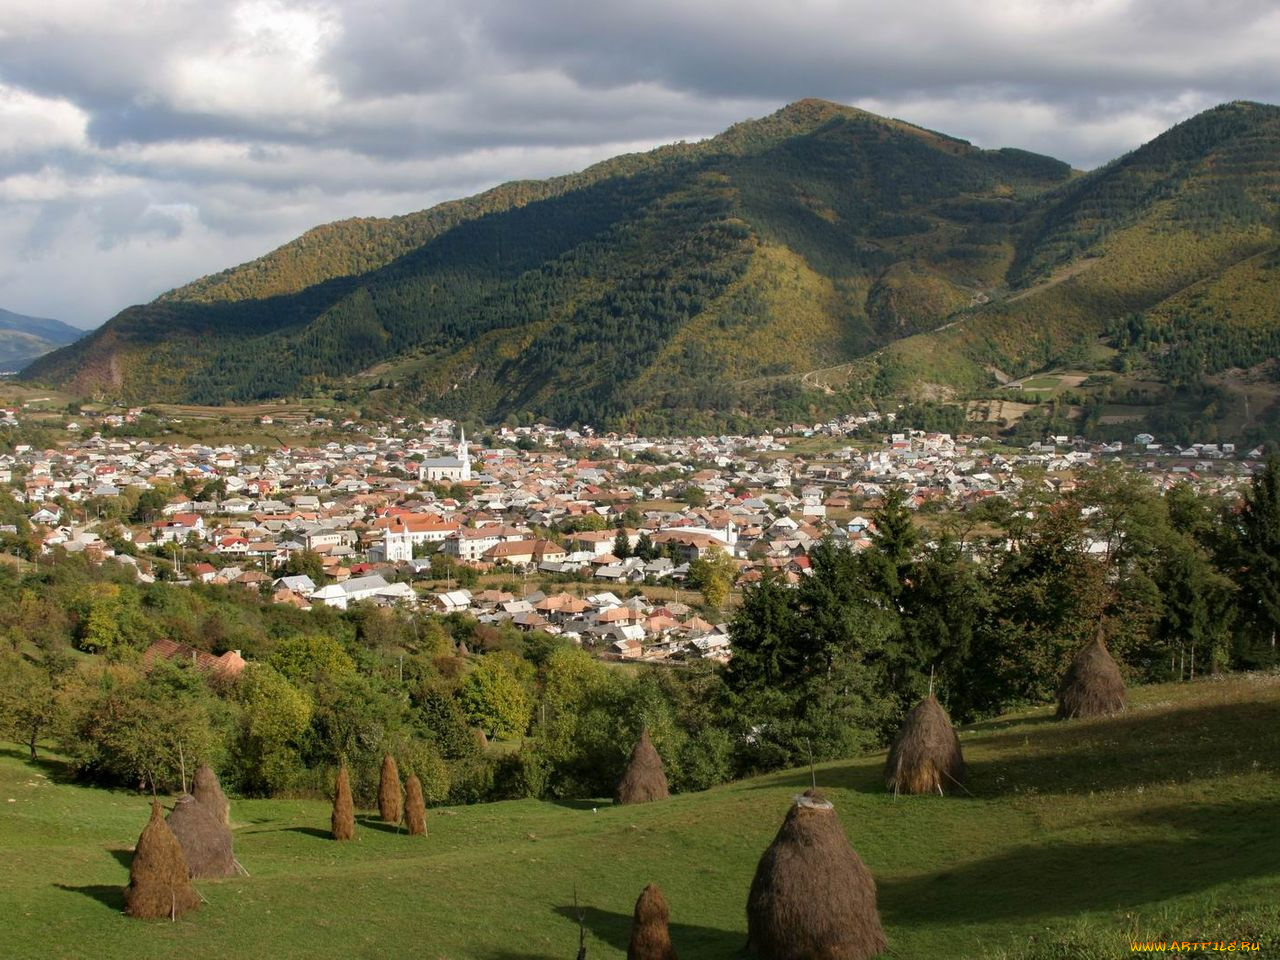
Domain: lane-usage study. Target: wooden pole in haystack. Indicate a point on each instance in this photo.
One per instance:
(925, 756)
(343, 822)
(206, 842)
(1092, 685)
(389, 794)
(650, 936)
(644, 779)
(812, 895)
(208, 792)
(159, 881)
(415, 809)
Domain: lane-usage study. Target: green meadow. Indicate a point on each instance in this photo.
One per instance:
(1074, 839)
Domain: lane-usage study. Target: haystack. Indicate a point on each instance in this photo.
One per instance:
(650, 938)
(482, 741)
(415, 810)
(644, 779)
(159, 885)
(208, 791)
(389, 795)
(1092, 685)
(205, 841)
(344, 811)
(925, 756)
(812, 896)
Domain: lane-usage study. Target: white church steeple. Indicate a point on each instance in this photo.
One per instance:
(464, 455)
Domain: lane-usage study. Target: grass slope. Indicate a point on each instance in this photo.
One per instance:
(1078, 838)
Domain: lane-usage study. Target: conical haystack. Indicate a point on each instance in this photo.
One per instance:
(344, 811)
(812, 896)
(206, 842)
(159, 885)
(389, 795)
(650, 938)
(1092, 685)
(415, 810)
(925, 756)
(208, 791)
(644, 779)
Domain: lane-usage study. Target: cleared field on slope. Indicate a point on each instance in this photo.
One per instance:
(1077, 838)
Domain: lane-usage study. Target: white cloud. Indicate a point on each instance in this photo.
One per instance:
(143, 143)
(30, 124)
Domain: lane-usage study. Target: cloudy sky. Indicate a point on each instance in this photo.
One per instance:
(144, 143)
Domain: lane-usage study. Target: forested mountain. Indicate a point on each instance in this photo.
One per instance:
(24, 338)
(1179, 236)
(821, 251)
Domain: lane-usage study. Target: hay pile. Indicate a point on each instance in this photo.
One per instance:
(389, 795)
(205, 841)
(415, 810)
(650, 938)
(343, 822)
(159, 885)
(812, 896)
(644, 779)
(1092, 685)
(925, 756)
(206, 789)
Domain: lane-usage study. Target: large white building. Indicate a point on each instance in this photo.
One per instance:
(455, 469)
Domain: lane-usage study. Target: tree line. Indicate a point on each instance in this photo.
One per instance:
(985, 606)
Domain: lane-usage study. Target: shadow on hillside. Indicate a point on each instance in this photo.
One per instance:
(108, 896)
(615, 930)
(987, 726)
(1181, 745)
(306, 831)
(862, 775)
(375, 823)
(123, 856)
(59, 771)
(569, 804)
(1202, 847)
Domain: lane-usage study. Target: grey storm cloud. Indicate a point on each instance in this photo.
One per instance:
(143, 144)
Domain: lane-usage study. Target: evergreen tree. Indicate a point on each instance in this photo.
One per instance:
(1256, 541)
(895, 543)
(764, 631)
(942, 611)
(1197, 610)
(621, 544)
(811, 665)
(645, 549)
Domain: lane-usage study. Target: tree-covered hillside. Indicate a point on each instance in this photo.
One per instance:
(702, 281)
(657, 281)
(1160, 227)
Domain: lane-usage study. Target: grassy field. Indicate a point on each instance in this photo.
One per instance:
(1076, 839)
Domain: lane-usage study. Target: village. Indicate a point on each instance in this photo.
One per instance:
(595, 538)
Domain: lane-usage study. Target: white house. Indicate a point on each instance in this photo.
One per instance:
(362, 588)
(455, 469)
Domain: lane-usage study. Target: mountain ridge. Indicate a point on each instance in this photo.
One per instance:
(659, 286)
(24, 338)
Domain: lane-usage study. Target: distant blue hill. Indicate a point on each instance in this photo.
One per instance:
(24, 338)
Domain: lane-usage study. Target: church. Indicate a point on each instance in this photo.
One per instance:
(455, 469)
